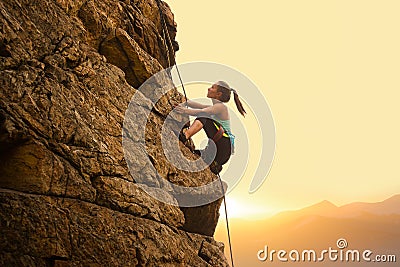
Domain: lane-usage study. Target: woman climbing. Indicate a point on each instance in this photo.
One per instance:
(215, 121)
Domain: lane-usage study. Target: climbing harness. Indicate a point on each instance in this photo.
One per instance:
(218, 135)
(220, 132)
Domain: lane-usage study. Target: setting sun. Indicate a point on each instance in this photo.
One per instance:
(239, 208)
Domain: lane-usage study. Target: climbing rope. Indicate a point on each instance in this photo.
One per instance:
(167, 36)
(226, 219)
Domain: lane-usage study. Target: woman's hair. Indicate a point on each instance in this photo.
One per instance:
(224, 88)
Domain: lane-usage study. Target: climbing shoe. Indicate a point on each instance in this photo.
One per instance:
(182, 136)
(187, 142)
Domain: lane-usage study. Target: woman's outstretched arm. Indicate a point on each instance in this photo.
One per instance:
(194, 104)
(214, 109)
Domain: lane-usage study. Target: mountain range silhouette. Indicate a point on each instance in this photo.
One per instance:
(363, 226)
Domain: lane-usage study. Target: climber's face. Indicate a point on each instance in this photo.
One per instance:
(213, 92)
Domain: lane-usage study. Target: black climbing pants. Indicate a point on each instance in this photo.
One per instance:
(224, 147)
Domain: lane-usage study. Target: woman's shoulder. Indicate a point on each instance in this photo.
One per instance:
(224, 112)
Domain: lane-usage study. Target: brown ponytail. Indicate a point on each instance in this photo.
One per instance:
(238, 103)
(224, 88)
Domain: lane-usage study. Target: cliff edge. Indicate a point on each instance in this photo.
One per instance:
(68, 71)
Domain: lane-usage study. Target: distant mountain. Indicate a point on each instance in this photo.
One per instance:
(328, 209)
(323, 208)
(372, 226)
(388, 206)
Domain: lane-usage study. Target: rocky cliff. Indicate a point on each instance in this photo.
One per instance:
(68, 70)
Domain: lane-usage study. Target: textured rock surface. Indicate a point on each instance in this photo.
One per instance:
(68, 70)
(78, 233)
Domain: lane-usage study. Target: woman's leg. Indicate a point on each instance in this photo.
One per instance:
(223, 145)
(193, 129)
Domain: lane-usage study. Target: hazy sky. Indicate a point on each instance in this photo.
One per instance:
(330, 72)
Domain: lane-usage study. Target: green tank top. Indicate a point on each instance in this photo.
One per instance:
(226, 125)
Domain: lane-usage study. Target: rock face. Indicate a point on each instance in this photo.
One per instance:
(68, 70)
